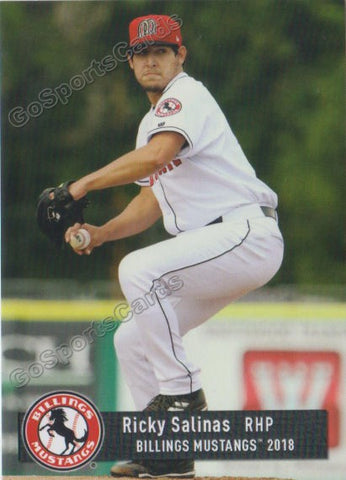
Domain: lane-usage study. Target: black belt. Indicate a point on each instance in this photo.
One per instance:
(268, 212)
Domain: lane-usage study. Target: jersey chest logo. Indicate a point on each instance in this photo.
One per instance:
(169, 106)
(168, 168)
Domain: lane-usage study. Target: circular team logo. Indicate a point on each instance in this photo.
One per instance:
(63, 431)
(168, 107)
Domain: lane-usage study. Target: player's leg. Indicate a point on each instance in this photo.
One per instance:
(186, 285)
(140, 377)
(223, 261)
(135, 367)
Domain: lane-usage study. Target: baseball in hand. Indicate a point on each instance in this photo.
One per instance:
(80, 239)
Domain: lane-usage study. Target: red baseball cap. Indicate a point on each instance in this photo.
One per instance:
(155, 30)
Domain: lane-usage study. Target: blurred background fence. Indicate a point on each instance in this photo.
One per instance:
(70, 105)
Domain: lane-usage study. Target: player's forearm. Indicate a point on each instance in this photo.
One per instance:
(141, 213)
(132, 166)
(126, 169)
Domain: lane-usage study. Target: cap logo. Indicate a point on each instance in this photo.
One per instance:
(155, 29)
(146, 27)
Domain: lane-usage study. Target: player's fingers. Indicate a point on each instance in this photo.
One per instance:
(85, 251)
(95, 234)
(71, 230)
(88, 227)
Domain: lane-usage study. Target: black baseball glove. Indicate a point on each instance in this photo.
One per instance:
(57, 211)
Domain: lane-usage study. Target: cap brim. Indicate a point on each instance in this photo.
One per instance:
(145, 45)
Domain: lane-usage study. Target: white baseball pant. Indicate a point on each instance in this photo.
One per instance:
(207, 269)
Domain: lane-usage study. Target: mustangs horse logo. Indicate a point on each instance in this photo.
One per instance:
(56, 424)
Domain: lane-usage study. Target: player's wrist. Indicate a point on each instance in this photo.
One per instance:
(77, 189)
(102, 235)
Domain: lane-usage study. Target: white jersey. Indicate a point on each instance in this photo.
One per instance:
(210, 176)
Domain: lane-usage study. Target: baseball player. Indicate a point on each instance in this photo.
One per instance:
(225, 239)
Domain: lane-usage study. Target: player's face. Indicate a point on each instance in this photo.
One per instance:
(155, 66)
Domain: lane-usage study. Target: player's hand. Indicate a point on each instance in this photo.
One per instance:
(96, 237)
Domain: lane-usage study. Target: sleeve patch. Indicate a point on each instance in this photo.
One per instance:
(169, 106)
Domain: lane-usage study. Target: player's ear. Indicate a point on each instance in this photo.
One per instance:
(182, 53)
(130, 60)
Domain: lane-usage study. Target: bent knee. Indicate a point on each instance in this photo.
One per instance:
(123, 340)
(127, 268)
(134, 271)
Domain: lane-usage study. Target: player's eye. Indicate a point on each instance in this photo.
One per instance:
(160, 50)
(142, 53)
